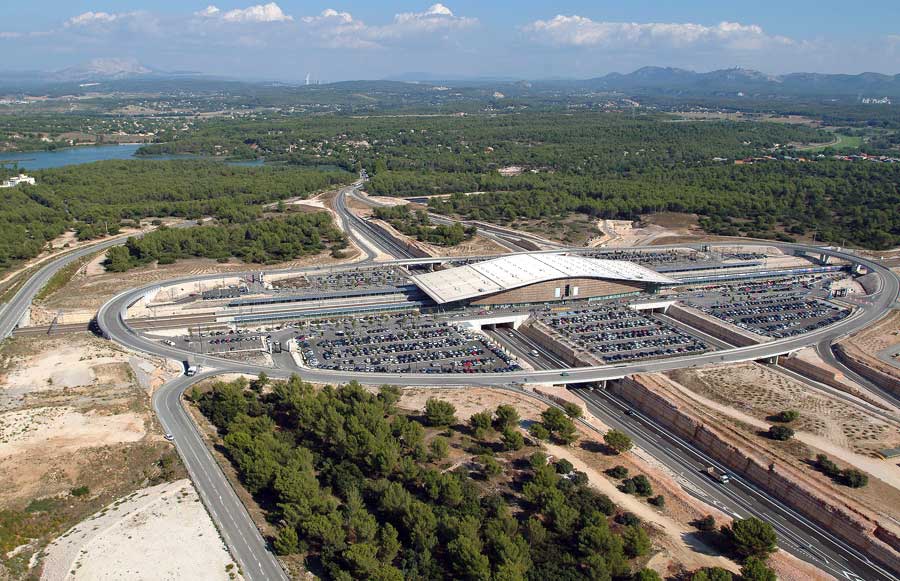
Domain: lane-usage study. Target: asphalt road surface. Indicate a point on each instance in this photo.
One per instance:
(799, 536)
(364, 234)
(243, 539)
(11, 313)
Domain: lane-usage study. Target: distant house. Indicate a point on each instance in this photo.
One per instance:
(16, 180)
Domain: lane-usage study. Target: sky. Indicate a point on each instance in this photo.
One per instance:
(333, 40)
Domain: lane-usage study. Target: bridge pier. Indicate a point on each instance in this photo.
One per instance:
(771, 360)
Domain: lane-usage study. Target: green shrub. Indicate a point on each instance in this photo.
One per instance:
(618, 472)
(786, 416)
(80, 491)
(780, 433)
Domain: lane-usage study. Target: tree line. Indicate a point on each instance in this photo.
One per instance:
(97, 199)
(265, 242)
(362, 490)
(418, 224)
(601, 164)
(841, 202)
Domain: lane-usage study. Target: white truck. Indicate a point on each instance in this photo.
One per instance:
(190, 370)
(718, 475)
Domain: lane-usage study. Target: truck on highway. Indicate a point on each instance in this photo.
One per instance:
(190, 370)
(718, 475)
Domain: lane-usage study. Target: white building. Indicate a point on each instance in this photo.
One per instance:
(16, 180)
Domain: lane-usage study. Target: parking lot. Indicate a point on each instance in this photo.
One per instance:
(358, 279)
(779, 317)
(399, 343)
(617, 334)
(773, 308)
(223, 342)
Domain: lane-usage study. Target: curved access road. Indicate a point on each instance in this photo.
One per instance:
(111, 319)
(13, 311)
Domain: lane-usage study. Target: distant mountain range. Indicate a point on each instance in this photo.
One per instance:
(95, 71)
(672, 82)
(675, 81)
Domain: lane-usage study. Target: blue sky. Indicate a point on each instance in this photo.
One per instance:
(341, 39)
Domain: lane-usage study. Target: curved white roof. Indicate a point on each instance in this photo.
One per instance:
(517, 270)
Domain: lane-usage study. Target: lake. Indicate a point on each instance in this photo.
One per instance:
(34, 160)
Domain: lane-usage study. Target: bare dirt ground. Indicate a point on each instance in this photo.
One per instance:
(625, 233)
(74, 412)
(759, 392)
(879, 337)
(162, 532)
(92, 286)
(477, 246)
(745, 394)
(574, 230)
(471, 400)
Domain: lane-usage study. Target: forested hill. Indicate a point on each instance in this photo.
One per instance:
(96, 199)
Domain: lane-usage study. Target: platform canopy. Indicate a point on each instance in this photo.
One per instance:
(518, 270)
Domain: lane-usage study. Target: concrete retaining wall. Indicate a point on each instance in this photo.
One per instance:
(718, 329)
(406, 244)
(846, 355)
(814, 372)
(783, 482)
(870, 282)
(536, 333)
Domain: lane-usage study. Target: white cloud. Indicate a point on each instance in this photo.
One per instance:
(340, 29)
(330, 15)
(583, 32)
(336, 29)
(437, 17)
(270, 12)
(208, 12)
(89, 18)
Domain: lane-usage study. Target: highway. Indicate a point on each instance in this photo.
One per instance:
(823, 348)
(510, 240)
(241, 536)
(115, 327)
(799, 536)
(11, 313)
(739, 498)
(363, 233)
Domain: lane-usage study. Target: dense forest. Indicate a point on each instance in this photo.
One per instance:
(362, 490)
(600, 164)
(417, 224)
(582, 142)
(855, 203)
(266, 241)
(97, 198)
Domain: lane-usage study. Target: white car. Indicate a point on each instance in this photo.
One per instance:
(170, 437)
